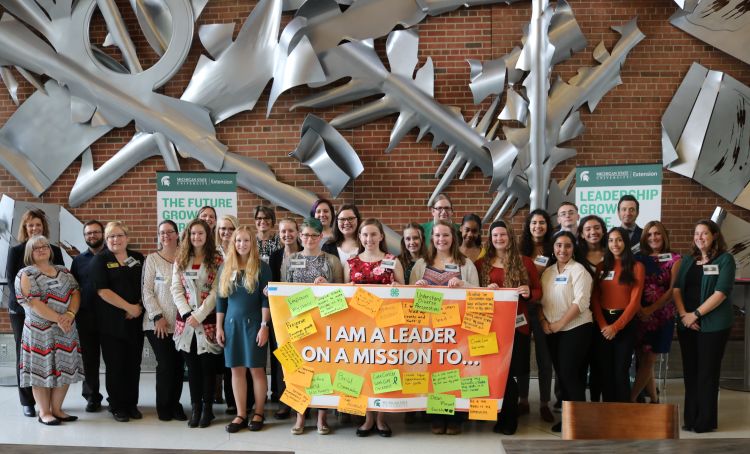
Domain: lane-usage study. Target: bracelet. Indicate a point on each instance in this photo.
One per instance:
(697, 313)
(264, 324)
(72, 314)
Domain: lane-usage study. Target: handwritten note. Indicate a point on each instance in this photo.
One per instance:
(480, 301)
(332, 302)
(415, 382)
(296, 398)
(348, 383)
(301, 327)
(386, 381)
(477, 322)
(413, 317)
(446, 380)
(481, 344)
(449, 316)
(320, 385)
(390, 314)
(428, 301)
(353, 405)
(478, 386)
(301, 377)
(289, 358)
(441, 404)
(483, 409)
(301, 302)
(366, 302)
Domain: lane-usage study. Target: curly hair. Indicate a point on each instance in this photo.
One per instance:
(515, 272)
(527, 240)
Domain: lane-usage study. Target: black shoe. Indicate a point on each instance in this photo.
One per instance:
(207, 415)
(93, 406)
(364, 432)
(687, 428)
(504, 429)
(28, 410)
(54, 422)
(234, 427)
(557, 428)
(165, 418)
(121, 416)
(386, 433)
(179, 414)
(256, 426)
(68, 418)
(134, 413)
(195, 416)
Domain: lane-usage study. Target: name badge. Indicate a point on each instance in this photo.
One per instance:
(665, 257)
(561, 279)
(388, 264)
(192, 275)
(265, 258)
(541, 260)
(111, 265)
(636, 248)
(131, 262)
(158, 280)
(520, 320)
(54, 283)
(297, 264)
(234, 275)
(610, 276)
(452, 268)
(711, 270)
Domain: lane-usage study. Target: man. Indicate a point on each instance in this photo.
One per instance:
(567, 217)
(627, 210)
(441, 210)
(88, 331)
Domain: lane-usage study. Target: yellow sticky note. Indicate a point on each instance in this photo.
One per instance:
(413, 317)
(353, 405)
(415, 382)
(296, 398)
(480, 301)
(366, 302)
(301, 377)
(481, 344)
(301, 327)
(483, 409)
(289, 358)
(449, 315)
(477, 322)
(390, 314)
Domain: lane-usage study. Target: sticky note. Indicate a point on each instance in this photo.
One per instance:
(365, 302)
(320, 385)
(477, 322)
(480, 301)
(441, 404)
(449, 316)
(386, 381)
(296, 398)
(412, 317)
(301, 302)
(481, 344)
(300, 377)
(390, 314)
(332, 302)
(348, 383)
(289, 358)
(428, 301)
(446, 380)
(301, 327)
(353, 405)
(415, 382)
(483, 409)
(478, 386)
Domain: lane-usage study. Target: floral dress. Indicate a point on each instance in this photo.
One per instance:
(361, 272)
(655, 333)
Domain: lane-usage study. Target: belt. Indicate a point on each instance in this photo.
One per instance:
(614, 311)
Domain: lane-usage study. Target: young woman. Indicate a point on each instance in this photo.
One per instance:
(345, 243)
(701, 294)
(655, 325)
(615, 301)
(322, 210)
(471, 237)
(208, 214)
(194, 292)
(566, 318)
(445, 266)
(225, 228)
(268, 241)
(158, 324)
(413, 248)
(373, 265)
(51, 358)
(242, 318)
(312, 266)
(505, 267)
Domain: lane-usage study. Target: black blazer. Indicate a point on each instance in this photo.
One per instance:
(14, 265)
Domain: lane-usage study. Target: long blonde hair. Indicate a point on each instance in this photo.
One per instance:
(232, 264)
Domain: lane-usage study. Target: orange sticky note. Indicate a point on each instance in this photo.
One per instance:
(477, 322)
(448, 316)
(482, 344)
(289, 358)
(483, 409)
(480, 301)
(390, 314)
(353, 405)
(296, 398)
(415, 318)
(415, 382)
(301, 377)
(301, 327)
(366, 302)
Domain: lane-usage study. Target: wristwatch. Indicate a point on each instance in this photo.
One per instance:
(157, 317)
(264, 323)
(697, 313)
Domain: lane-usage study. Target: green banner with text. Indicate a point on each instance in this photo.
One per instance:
(180, 195)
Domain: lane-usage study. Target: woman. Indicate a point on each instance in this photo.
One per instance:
(505, 267)
(242, 318)
(322, 210)
(566, 318)
(51, 358)
(471, 237)
(208, 213)
(345, 242)
(311, 266)
(158, 324)
(373, 265)
(413, 248)
(33, 222)
(615, 301)
(701, 294)
(194, 292)
(268, 241)
(536, 244)
(117, 272)
(225, 228)
(445, 266)
(655, 325)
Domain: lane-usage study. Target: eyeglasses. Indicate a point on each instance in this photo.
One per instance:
(93, 233)
(443, 209)
(41, 248)
(167, 233)
(306, 236)
(118, 236)
(350, 220)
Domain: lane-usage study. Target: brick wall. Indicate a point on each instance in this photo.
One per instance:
(625, 128)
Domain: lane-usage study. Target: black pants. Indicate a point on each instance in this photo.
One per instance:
(88, 335)
(519, 366)
(202, 370)
(24, 394)
(593, 376)
(543, 362)
(701, 363)
(613, 358)
(565, 349)
(169, 371)
(277, 374)
(122, 360)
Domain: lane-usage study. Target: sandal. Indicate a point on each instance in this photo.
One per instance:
(234, 427)
(324, 430)
(255, 426)
(298, 430)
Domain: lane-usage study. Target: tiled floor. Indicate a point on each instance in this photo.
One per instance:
(99, 429)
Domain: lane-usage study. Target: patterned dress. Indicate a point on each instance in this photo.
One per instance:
(439, 278)
(267, 247)
(361, 272)
(315, 266)
(655, 334)
(49, 357)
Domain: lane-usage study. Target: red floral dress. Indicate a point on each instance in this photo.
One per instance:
(361, 272)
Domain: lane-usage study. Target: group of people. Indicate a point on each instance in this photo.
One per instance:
(592, 297)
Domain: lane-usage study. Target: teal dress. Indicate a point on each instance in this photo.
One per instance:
(242, 316)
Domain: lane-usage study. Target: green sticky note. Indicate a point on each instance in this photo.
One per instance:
(301, 302)
(331, 303)
(441, 404)
(321, 384)
(348, 383)
(427, 301)
(447, 380)
(478, 386)
(386, 381)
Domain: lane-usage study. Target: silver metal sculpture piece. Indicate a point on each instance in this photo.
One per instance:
(705, 134)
